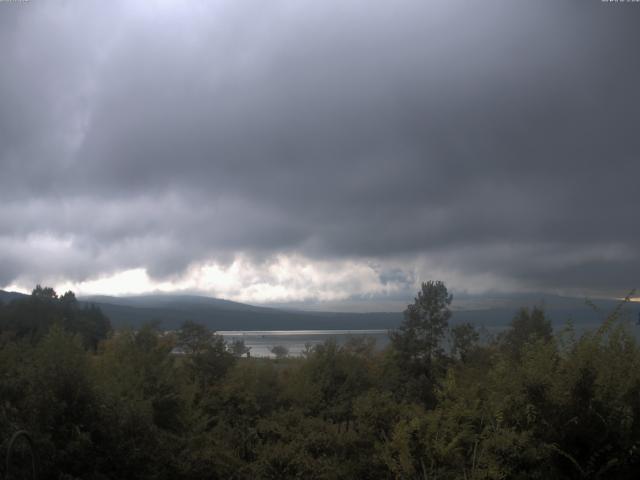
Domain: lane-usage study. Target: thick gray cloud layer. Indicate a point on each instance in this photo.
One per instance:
(491, 138)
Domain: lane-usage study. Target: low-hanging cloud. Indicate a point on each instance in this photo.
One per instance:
(492, 143)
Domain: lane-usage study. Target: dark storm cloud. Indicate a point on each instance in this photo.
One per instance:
(492, 137)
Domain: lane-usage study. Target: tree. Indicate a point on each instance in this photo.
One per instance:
(464, 338)
(238, 348)
(526, 326)
(47, 293)
(32, 317)
(89, 321)
(69, 299)
(417, 344)
(194, 338)
(280, 351)
(208, 356)
(425, 323)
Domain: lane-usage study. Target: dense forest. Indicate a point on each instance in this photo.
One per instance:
(437, 403)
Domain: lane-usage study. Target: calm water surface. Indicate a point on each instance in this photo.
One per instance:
(261, 342)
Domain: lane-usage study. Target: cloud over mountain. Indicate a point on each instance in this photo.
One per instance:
(492, 144)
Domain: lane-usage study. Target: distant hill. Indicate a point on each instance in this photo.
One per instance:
(496, 311)
(217, 314)
(172, 310)
(174, 301)
(490, 311)
(6, 297)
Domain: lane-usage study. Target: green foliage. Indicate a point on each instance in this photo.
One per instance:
(419, 338)
(32, 317)
(527, 326)
(239, 349)
(153, 405)
(207, 357)
(418, 352)
(330, 379)
(464, 340)
(280, 351)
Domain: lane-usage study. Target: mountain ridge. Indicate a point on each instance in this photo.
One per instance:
(171, 310)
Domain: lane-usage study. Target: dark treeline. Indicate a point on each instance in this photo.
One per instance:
(530, 403)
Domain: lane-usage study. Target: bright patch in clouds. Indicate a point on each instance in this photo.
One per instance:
(171, 145)
(280, 279)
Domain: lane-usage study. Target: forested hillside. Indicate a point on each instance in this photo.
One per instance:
(168, 312)
(529, 403)
(491, 311)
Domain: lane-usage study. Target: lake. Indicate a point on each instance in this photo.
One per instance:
(261, 342)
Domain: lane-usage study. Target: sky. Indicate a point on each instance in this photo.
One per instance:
(333, 152)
